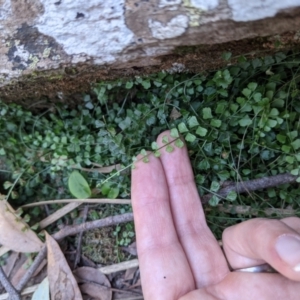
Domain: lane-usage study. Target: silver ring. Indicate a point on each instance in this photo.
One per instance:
(265, 268)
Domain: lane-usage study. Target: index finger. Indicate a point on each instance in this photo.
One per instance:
(165, 271)
(205, 256)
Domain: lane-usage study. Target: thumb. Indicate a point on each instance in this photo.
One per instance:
(258, 241)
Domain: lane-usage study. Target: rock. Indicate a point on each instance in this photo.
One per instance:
(61, 41)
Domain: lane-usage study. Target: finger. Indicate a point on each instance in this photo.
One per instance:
(292, 222)
(249, 286)
(261, 240)
(165, 271)
(202, 249)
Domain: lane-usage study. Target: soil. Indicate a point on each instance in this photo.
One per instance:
(68, 84)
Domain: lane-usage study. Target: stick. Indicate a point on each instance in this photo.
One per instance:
(13, 293)
(25, 292)
(78, 250)
(72, 230)
(102, 201)
(119, 267)
(252, 185)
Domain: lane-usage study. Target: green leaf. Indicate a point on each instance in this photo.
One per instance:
(296, 144)
(274, 112)
(271, 193)
(125, 123)
(203, 165)
(246, 92)
(286, 149)
(226, 55)
(89, 105)
(154, 146)
(234, 107)
(113, 193)
(169, 148)
(151, 120)
(129, 85)
(241, 100)
(144, 152)
(179, 143)
(165, 139)
(256, 63)
(271, 123)
(78, 186)
(206, 112)
(146, 84)
(7, 185)
(192, 122)
(246, 121)
(292, 134)
(105, 188)
(295, 172)
(289, 159)
(278, 103)
(232, 195)
(220, 108)
(201, 131)
(146, 159)
(215, 123)
(298, 179)
(174, 133)
(214, 200)
(182, 128)
(199, 88)
(265, 154)
(215, 186)
(200, 179)
(257, 97)
(190, 137)
(223, 175)
(281, 138)
(252, 86)
(157, 154)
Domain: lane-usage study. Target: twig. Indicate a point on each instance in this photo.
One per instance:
(30, 271)
(79, 241)
(72, 230)
(13, 293)
(252, 185)
(119, 267)
(60, 201)
(25, 292)
(243, 210)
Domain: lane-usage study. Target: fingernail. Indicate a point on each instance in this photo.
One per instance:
(288, 248)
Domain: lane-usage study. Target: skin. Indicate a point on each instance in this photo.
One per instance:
(178, 255)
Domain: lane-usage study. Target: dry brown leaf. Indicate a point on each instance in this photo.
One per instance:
(16, 234)
(61, 280)
(87, 276)
(20, 269)
(96, 291)
(10, 263)
(129, 274)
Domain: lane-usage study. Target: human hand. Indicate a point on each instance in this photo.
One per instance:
(180, 258)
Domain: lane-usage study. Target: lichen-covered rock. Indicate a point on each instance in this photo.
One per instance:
(43, 35)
